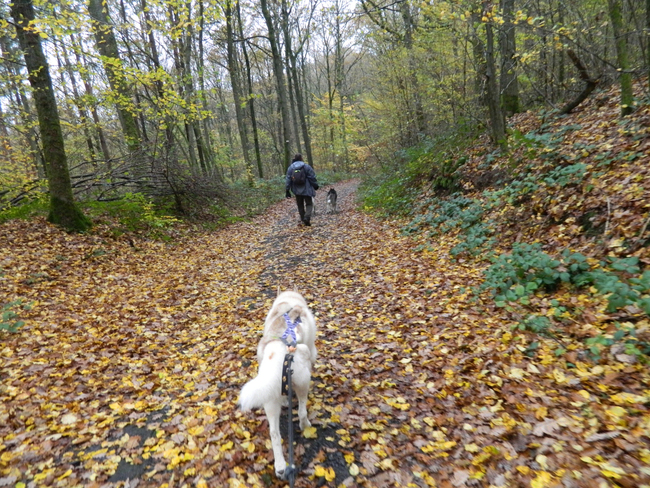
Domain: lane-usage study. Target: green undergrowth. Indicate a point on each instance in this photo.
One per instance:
(396, 189)
(10, 315)
(545, 290)
(37, 206)
(157, 218)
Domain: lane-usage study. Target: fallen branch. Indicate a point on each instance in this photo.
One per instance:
(584, 75)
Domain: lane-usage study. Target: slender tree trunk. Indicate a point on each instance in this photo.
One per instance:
(284, 25)
(251, 95)
(497, 121)
(418, 120)
(206, 139)
(190, 89)
(107, 47)
(25, 111)
(625, 76)
(278, 71)
(478, 51)
(6, 151)
(295, 82)
(63, 210)
(83, 113)
(93, 106)
(136, 93)
(339, 71)
(647, 40)
(235, 77)
(509, 85)
(160, 88)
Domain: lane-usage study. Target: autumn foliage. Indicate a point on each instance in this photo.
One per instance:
(133, 350)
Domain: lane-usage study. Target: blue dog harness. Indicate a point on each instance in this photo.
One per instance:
(290, 331)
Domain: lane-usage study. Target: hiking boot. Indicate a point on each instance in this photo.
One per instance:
(307, 222)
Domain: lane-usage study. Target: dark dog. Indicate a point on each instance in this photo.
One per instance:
(331, 201)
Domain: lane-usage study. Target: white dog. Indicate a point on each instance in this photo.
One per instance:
(289, 319)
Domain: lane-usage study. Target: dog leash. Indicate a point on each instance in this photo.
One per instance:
(287, 389)
(290, 471)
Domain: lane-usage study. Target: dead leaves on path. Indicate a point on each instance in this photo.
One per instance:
(131, 361)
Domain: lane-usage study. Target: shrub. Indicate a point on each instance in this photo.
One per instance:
(455, 214)
(10, 321)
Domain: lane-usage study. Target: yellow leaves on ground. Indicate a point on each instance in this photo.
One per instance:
(416, 383)
(543, 480)
(328, 473)
(399, 403)
(227, 446)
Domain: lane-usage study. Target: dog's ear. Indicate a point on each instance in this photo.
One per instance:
(295, 288)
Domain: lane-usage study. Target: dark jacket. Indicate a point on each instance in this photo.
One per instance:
(311, 184)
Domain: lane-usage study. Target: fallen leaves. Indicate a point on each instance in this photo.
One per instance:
(130, 364)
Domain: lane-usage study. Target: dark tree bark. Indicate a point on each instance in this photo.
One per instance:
(625, 76)
(63, 210)
(278, 71)
(235, 83)
(497, 120)
(647, 38)
(251, 97)
(590, 84)
(509, 85)
(293, 70)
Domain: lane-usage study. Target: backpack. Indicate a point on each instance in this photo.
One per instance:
(299, 176)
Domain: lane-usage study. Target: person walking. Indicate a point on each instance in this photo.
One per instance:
(301, 181)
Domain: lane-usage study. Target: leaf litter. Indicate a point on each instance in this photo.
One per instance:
(129, 366)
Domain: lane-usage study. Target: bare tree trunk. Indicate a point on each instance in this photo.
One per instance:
(25, 111)
(647, 39)
(235, 78)
(6, 151)
(497, 122)
(251, 97)
(107, 47)
(63, 209)
(509, 85)
(81, 108)
(178, 53)
(625, 76)
(291, 81)
(131, 57)
(417, 120)
(206, 139)
(278, 71)
(478, 51)
(339, 70)
(160, 88)
(93, 107)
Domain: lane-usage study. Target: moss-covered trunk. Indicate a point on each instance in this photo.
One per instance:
(625, 77)
(63, 210)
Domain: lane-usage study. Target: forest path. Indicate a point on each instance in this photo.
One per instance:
(131, 359)
(129, 365)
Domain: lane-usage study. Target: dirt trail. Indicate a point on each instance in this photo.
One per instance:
(129, 366)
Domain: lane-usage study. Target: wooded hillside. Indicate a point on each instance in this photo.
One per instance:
(177, 98)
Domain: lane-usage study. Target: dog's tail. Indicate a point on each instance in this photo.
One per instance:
(267, 385)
